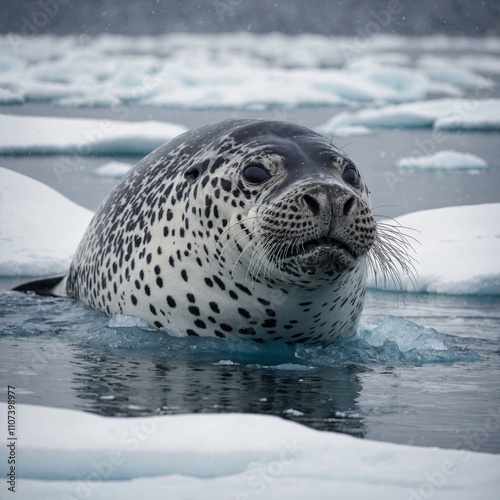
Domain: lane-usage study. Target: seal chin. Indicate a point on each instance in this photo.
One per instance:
(325, 254)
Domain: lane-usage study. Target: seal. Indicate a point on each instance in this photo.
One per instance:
(239, 229)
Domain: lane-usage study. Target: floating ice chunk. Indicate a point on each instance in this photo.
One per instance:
(203, 456)
(382, 58)
(443, 89)
(393, 84)
(473, 115)
(90, 99)
(446, 70)
(226, 362)
(292, 412)
(114, 169)
(458, 252)
(48, 135)
(443, 160)
(125, 321)
(354, 130)
(407, 335)
(488, 65)
(8, 97)
(451, 114)
(39, 228)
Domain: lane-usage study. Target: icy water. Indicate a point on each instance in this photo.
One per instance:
(422, 387)
(423, 371)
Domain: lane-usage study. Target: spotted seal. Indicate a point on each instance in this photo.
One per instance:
(243, 228)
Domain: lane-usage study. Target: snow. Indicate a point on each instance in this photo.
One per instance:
(238, 70)
(49, 135)
(443, 160)
(113, 169)
(40, 228)
(458, 250)
(72, 454)
(447, 114)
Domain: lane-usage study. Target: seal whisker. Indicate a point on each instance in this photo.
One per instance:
(233, 237)
(390, 254)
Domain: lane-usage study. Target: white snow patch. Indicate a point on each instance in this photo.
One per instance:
(49, 135)
(458, 252)
(443, 160)
(67, 453)
(39, 228)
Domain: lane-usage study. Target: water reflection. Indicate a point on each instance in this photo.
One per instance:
(116, 386)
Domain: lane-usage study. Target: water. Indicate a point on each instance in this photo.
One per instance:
(440, 389)
(435, 389)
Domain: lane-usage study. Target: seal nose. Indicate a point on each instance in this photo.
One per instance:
(316, 202)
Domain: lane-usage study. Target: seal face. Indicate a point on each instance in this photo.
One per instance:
(243, 228)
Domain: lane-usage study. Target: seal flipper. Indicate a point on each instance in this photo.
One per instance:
(55, 286)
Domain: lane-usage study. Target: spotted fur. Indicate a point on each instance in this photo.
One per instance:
(186, 242)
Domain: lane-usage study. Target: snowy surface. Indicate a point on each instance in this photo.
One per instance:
(113, 169)
(39, 228)
(443, 160)
(48, 135)
(239, 70)
(72, 454)
(458, 250)
(440, 114)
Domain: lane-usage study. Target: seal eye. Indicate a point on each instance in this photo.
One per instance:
(351, 176)
(256, 174)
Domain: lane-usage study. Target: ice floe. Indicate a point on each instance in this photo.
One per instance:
(446, 114)
(50, 135)
(443, 160)
(238, 70)
(447, 70)
(458, 250)
(72, 454)
(39, 228)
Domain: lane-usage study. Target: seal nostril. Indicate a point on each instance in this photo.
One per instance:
(312, 204)
(348, 205)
